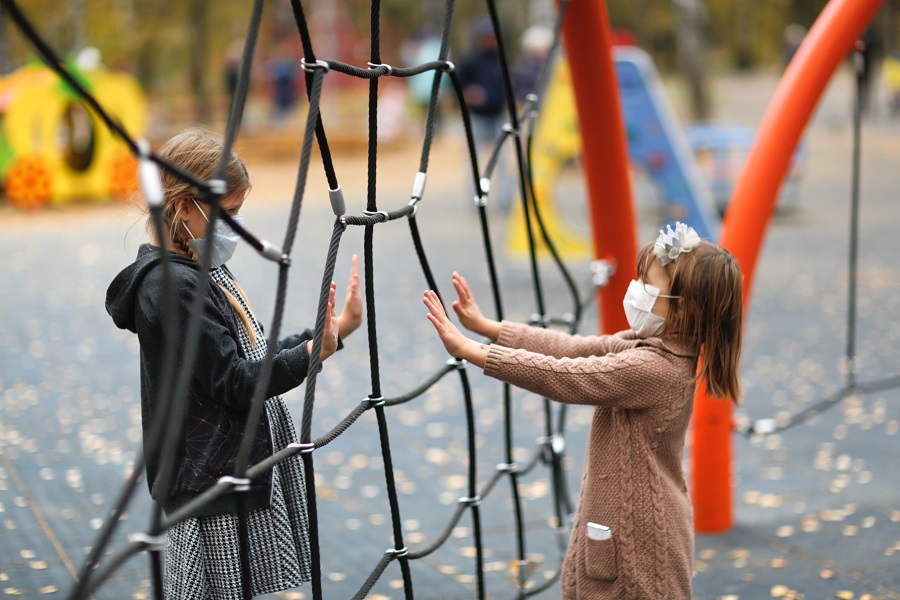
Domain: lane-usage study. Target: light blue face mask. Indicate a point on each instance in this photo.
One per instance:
(224, 240)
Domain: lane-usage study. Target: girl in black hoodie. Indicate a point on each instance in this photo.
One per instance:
(202, 555)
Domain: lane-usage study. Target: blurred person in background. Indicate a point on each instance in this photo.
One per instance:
(482, 83)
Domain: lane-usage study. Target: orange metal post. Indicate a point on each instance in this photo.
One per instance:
(588, 42)
(752, 204)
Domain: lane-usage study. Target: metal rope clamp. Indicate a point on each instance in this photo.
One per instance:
(309, 67)
(459, 363)
(418, 188)
(394, 553)
(153, 542)
(537, 319)
(602, 270)
(508, 467)
(390, 69)
(305, 448)
(415, 208)
(476, 501)
(485, 188)
(336, 196)
(274, 253)
(373, 402)
(148, 173)
(240, 484)
(218, 186)
(556, 443)
(449, 67)
(373, 213)
(508, 128)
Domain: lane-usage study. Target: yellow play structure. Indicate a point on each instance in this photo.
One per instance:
(557, 144)
(53, 149)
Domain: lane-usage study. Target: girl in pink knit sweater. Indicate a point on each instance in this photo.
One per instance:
(632, 536)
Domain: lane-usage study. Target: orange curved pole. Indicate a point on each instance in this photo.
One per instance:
(829, 40)
(587, 38)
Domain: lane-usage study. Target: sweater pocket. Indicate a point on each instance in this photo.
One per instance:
(598, 547)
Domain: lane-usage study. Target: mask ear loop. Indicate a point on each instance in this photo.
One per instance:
(658, 295)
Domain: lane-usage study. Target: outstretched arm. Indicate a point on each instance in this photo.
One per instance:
(455, 342)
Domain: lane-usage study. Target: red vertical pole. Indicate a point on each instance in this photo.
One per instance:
(751, 207)
(587, 39)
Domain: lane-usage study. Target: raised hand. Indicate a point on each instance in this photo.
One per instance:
(330, 335)
(351, 317)
(469, 313)
(455, 342)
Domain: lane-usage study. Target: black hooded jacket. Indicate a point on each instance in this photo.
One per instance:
(222, 380)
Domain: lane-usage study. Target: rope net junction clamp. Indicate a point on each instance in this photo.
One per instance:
(390, 69)
(153, 542)
(543, 320)
(305, 448)
(459, 363)
(482, 198)
(418, 188)
(449, 67)
(475, 501)
(309, 67)
(373, 213)
(274, 253)
(394, 553)
(240, 484)
(555, 442)
(508, 467)
(508, 128)
(601, 271)
(338, 207)
(218, 186)
(148, 173)
(373, 402)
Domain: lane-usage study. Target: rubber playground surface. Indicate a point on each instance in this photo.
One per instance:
(816, 507)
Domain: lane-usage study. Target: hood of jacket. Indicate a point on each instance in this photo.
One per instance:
(122, 292)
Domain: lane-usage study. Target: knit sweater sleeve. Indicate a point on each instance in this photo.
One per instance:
(634, 379)
(559, 344)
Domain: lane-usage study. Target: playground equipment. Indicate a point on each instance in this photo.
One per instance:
(53, 149)
(656, 145)
(721, 150)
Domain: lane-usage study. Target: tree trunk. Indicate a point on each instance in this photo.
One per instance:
(199, 59)
(690, 17)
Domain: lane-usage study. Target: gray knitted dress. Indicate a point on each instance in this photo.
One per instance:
(202, 554)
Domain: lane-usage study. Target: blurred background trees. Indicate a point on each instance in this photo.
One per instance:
(182, 51)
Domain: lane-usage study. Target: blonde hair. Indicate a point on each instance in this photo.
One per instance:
(708, 314)
(197, 151)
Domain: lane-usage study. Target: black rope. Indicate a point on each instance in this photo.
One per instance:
(424, 387)
(853, 254)
(431, 117)
(310, 58)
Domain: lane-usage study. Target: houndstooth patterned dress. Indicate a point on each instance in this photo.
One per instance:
(202, 554)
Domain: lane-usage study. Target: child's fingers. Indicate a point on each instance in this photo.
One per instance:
(434, 305)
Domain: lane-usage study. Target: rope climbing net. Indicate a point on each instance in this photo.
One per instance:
(160, 440)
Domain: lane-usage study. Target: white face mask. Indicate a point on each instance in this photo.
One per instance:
(224, 240)
(638, 304)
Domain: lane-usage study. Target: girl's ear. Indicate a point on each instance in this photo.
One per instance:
(182, 205)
